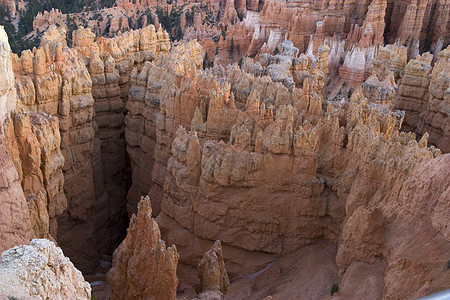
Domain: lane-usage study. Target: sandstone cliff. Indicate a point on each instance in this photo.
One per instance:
(34, 144)
(295, 148)
(54, 80)
(66, 136)
(326, 174)
(423, 94)
(15, 226)
(155, 108)
(110, 62)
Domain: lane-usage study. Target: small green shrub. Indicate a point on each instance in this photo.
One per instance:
(334, 289)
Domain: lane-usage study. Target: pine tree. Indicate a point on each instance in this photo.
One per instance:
(231, 47)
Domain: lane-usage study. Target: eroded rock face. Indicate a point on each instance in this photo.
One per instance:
(436, 121)
(268, 156)
(413, 90)
(34, 144)
(330, 174)
(211, 272)
(155, 108)
(72, 166)
(422, 219)
(40, 271)
(15, 226)
(411, 21)
(143, 267)
(54, 80)
(110, 64)
(423, 94)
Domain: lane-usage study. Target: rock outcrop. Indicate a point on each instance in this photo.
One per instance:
(155, 109)
(67, 129)
(413, 90)
(48, 18)
(15, 226)
(414, 22)
(54, 80)
(424, 95)
(34, 144)
(299, 145)
(40, 271)
(110, 64)
(212, 274)
(435, 118)
(143, 267)
(335, 171)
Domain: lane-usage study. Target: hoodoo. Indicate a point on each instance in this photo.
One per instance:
(290, 149)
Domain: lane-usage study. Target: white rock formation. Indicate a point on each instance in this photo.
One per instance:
(40, 271)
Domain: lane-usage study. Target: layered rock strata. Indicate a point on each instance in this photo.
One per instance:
(211, 145)
(413, 90)
(15, 226)
(68, 129)
(327, 173)
(54, 80)
(110, 64)
(155, 108)
(423, 94)
(436, 120)
(412, 22)
(34, 144)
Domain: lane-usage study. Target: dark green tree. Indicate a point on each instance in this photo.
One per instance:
(231, 47)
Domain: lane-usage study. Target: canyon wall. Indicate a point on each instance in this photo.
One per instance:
(110, 62)
(301, 145)
(65, 138)
(15, 226)
(424, 95)
(34, 142)
(154, 112)
(327, 171)
(413, 22)
(53, 80)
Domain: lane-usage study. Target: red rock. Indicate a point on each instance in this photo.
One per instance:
(142, 265)
(212, 273)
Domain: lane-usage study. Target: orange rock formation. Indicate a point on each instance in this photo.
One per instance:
(142, 266)
(297, 152)
(212, 274)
